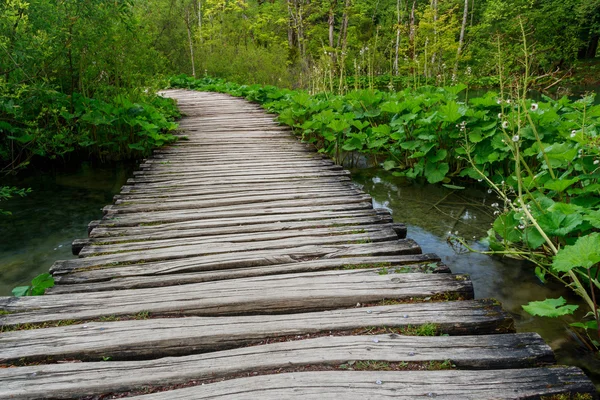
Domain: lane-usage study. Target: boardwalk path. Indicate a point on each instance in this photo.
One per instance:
(241, 264)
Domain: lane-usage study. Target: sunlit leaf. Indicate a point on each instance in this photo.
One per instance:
(584, 253)
(550, 308)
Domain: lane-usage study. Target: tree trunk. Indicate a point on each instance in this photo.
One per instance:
(397, 47)
(191, 43)
(343, 38)
(590, 50)
(461, 39)
(411, 32)
(434, 6)
(331, 23)
(200, 20)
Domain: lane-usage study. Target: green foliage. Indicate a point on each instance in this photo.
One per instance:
(7, 192)
(584, 253)
(43, 122)
(550, 308)
(432, 133)
(38, 286)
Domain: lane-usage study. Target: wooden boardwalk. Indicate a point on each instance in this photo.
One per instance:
(240, 264)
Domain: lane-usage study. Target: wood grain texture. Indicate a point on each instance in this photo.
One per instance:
(102, 280)
(368, 233)
(158, 337)
(458, 385)
(289, 293)
(65, 381)
(178, 231)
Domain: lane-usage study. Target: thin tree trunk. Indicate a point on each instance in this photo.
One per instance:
(411, 31)
(343, 38)
(472, 11)
(434, 6)
(331, 23)
(461, 39)
(397, 47)
(200, 20)
(191, 43)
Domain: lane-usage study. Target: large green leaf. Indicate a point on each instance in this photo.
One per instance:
(550, 308)
(559, 185)
(584, 253)
(436, 172)
(40, 283)
(506, 226)
(451, 112)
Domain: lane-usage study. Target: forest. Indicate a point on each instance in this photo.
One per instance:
(451, 92)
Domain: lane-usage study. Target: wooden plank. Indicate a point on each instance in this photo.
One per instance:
(103, 280)
(371, 233)
(275, 214)
(106, 229)
(223, 194)
(64, 381)
(263, 188)
(290, 180)
(275, 201)
(211, 253)
(164, 166)
(158, 337)
(238, 176)
(459, 385)
(280, 227)
(228, 225)
(258, 258)
(290, 293)
(227, 169)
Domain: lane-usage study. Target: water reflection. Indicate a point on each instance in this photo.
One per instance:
(45, 222)
(432, 213)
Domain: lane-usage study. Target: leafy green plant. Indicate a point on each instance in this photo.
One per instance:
(38, 286)
(7, 192)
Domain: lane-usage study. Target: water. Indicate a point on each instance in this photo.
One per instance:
(45, 222)
(432, 212)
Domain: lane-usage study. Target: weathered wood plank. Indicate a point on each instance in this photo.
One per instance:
(289, 175)
(276, 214)
(239, 204)
(258, 258)
(263, 188)
(293, 249)
(106, 279)
(290, 180)
(105, 229)
(459, 385)
(65, 381)
(251, 224)
(219, 233)
(371, 233)
(153, 338)
(250, 195)
(290, 293)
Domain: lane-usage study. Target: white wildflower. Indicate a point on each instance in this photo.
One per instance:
(505, 125)
(573, 134)
(499, 115)
(534, 107)
(596, 162)
(515, 138)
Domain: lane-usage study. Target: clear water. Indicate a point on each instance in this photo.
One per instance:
(45, 222)
(433, 212)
